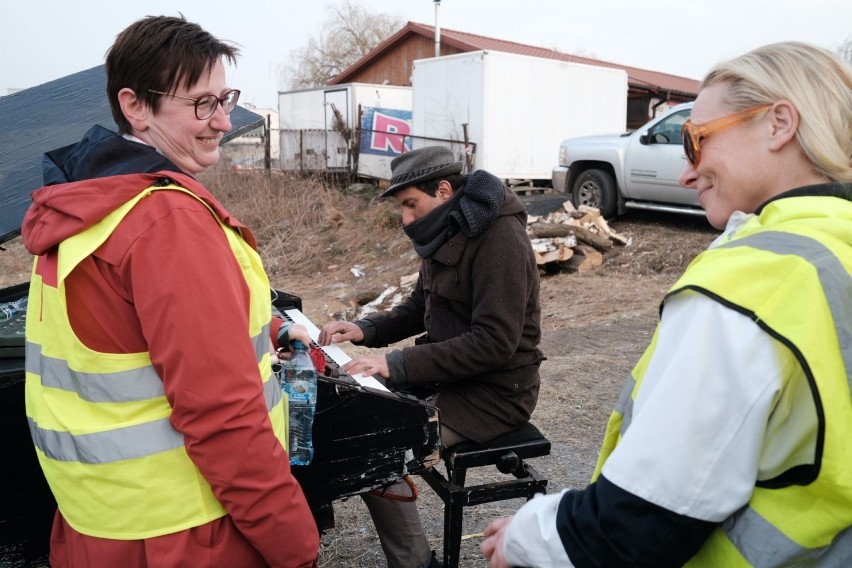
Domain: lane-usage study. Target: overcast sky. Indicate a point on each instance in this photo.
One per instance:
(42, 40)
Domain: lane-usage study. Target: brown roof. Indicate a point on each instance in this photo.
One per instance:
(637, 78)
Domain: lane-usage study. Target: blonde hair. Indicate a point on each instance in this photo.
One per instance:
(817, 82)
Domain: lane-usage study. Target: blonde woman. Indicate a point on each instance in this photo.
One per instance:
(729, 443)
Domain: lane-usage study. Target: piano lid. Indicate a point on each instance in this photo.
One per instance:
(53, 115)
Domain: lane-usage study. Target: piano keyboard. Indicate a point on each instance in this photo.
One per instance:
(334, 352)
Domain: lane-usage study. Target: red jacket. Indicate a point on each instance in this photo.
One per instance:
(166, 282)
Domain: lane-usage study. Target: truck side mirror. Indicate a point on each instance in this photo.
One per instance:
(643, 138)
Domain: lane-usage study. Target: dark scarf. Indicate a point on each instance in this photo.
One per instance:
(470, 210)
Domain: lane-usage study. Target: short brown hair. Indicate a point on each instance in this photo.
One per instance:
(160, 53)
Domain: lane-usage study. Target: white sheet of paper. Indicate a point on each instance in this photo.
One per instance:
(333, 351)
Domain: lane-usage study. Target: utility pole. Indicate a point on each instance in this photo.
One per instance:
(437, 30)
(267, 155)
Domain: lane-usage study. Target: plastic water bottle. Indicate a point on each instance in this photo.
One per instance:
(8, 310)
(299, 381)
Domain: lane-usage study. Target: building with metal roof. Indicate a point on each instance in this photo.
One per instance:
(391, 62)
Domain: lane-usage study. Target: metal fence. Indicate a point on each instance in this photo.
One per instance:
(315, 150)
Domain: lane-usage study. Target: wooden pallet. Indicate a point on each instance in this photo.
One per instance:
(527, 190)
(525, 187)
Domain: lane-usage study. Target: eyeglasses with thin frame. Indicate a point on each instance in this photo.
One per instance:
(205, 105)
(693, 135)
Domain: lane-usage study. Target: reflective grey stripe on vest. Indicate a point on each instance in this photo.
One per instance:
(123, 443)
(272, 392)
(835, 280)
(121, 386)
(262, 342)
(624, 404)
(110, 446)
(763, 545)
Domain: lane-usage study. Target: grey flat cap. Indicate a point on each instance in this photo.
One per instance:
(423, 164)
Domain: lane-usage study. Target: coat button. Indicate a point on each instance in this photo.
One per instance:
(516, 385)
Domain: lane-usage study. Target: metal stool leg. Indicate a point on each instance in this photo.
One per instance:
(507, 453)
(453, 517)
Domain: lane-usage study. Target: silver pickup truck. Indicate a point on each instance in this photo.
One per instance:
(637, 170)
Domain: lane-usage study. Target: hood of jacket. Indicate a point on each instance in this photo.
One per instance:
(88, 180)
(484, 197)
(513, 206)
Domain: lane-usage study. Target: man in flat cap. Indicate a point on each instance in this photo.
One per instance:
(476, 299)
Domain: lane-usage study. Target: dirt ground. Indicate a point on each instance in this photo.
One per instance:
(595, 327)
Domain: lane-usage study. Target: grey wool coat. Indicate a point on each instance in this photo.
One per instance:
(478, 301)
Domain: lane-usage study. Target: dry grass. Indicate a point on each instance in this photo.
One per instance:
(303, 224)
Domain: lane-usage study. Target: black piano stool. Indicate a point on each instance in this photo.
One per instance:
(507, 453)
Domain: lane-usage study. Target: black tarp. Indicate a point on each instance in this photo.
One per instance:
(52, 115)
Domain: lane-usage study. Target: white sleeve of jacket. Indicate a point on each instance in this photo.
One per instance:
(531, 538)
(690, 383)
(699, 425)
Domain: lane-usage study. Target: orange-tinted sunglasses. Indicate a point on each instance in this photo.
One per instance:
(693, 135)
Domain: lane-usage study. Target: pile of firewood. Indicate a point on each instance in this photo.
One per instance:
(575, 238)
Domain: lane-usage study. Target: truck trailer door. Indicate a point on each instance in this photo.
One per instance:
(337, 121)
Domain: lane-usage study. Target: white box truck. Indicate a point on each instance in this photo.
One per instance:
(317, 128)
(516, 108)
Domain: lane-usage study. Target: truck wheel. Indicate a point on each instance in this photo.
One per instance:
(596, 188)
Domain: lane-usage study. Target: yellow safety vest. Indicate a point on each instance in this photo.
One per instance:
(795, 249)
(100, 421)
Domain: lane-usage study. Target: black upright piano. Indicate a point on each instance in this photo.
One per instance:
(364, 438)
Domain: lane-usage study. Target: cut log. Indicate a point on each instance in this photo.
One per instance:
(561, 254)
(587, 250)
(593, 211)
(618, 239)
(550, 230)
(605, 229)
(545, 245)
(542, 247)
(585, 235)
(585, 259)
(601, 224)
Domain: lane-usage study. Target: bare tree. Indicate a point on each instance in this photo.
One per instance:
(349, 33)
(845, 49)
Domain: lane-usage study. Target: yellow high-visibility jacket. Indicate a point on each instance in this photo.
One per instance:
(100, 421)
